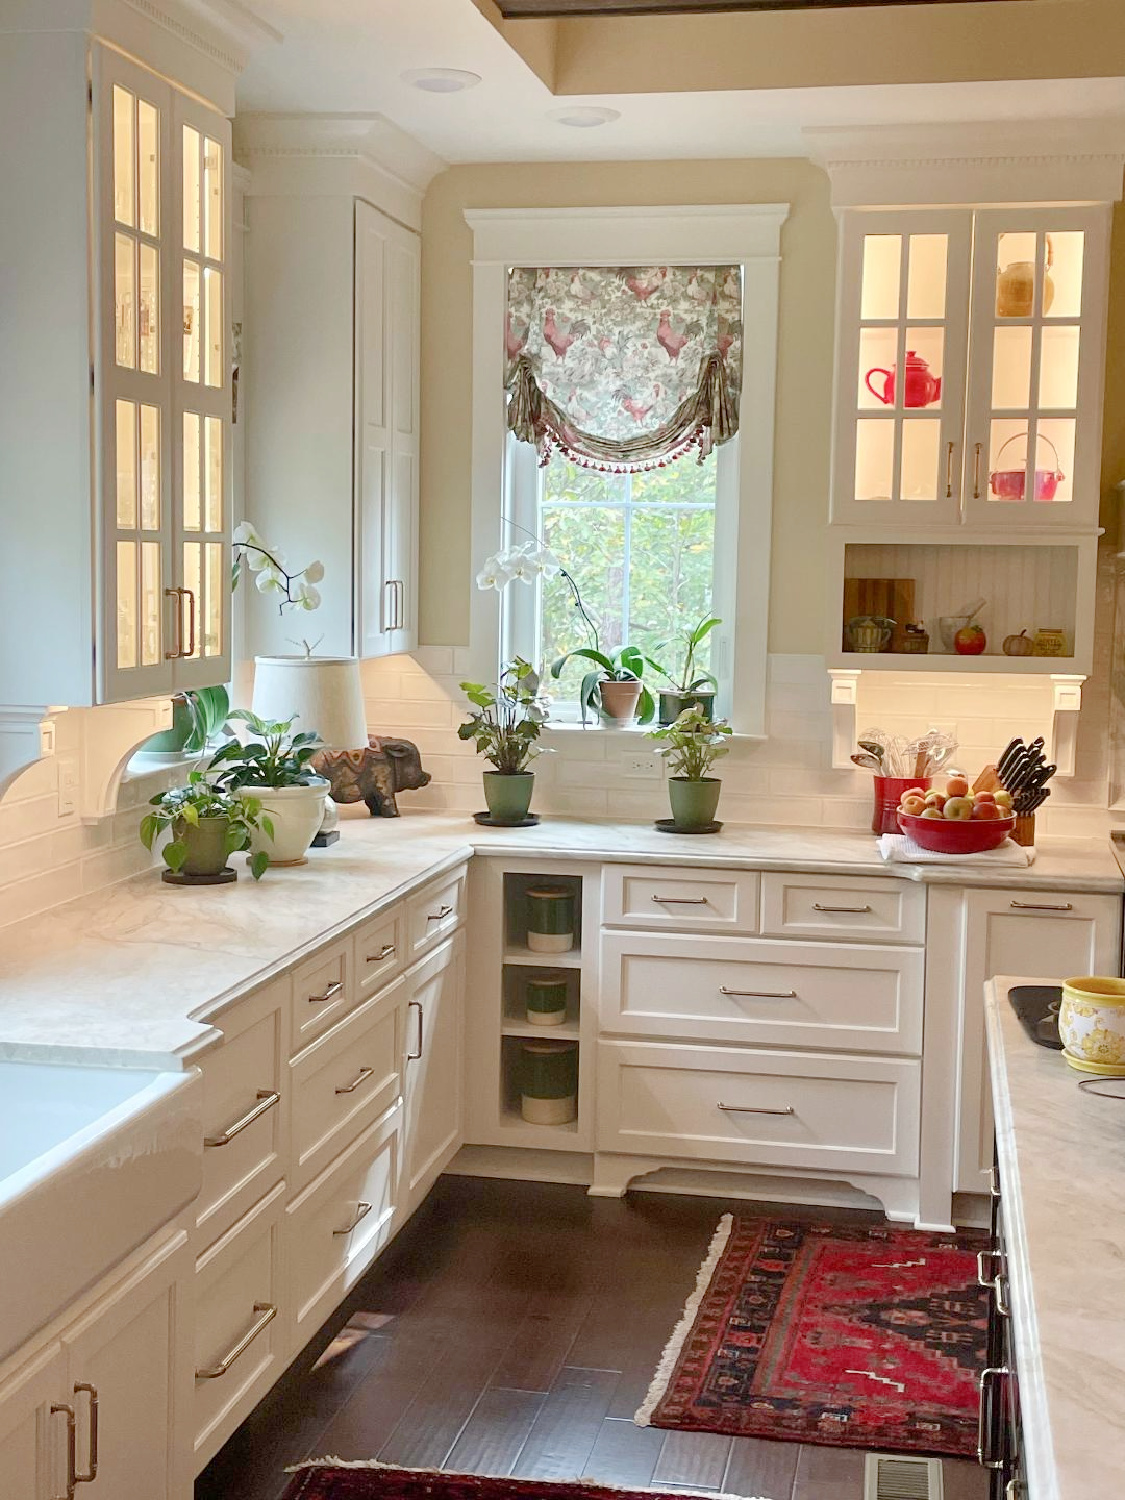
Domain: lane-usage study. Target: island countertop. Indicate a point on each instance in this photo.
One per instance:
(135, 973)
(1062, 1169)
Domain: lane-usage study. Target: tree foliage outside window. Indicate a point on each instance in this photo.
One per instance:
(641, 549)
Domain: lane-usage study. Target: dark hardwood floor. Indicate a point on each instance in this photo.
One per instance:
(513, 1328)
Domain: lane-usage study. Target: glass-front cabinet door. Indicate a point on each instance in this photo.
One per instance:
(161, 376)
(900, 376)
(1033, 434)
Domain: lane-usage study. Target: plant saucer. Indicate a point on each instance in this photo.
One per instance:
(668, 825)
(223, 877)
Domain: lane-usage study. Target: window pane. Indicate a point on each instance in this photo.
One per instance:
(1011, 369)
(148, 133)
(191, 321)
(881, 270)
(925, 284)
(213, 289)
(191, 188)
(1058, 367)
(192, 513)
(126, 301)
(874, 460)
(213, 617)
(150, 310)
(150, 603)
(919, 473)
(190, 605)
(123, 155)
(213, 198)
(1064, 256)
(150, 468)
(213, 473)
(126, 465)
(126, 604)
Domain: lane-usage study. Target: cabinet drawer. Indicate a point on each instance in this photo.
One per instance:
(379, 951)
(680, 900)
(783, 1109)
(244, 1110)
(345, 1081)
(340, 1223)
(866, 998)
(240, 1343)
(866, 911)
(323, 992)
(435, 912)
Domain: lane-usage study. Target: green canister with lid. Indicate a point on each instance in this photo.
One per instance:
(546, 997)
(550, 918)
(549, 1082)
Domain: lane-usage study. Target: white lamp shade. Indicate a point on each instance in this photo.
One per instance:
(319, 692)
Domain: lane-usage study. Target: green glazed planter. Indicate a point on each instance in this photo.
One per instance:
(508, 794)
(206, 844)
(672, 704)
(694, 803)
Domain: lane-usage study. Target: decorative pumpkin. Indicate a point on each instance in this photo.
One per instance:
(1019, 645)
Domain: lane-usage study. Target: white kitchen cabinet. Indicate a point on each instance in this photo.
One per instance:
(33, 1428)
(115, 406)
(433, 1074)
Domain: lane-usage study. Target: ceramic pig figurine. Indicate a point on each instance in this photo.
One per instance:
(373, 775)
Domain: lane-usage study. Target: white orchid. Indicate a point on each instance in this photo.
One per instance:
(314, 572)
(269, 581)
(244, 535)
(522, 568)
(271, 571)
(304, 596)
(524, 563)
(494, 574)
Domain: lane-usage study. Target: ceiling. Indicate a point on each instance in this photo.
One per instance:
(347, 57)
(515, 10)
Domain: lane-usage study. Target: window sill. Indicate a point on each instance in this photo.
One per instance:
(565, 729)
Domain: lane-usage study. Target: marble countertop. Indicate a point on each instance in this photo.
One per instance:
(1062, 1167)
(137, 973)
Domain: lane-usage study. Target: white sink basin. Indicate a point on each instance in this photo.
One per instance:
(92, 1162)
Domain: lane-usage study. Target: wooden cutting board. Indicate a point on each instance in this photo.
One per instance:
(893, 598)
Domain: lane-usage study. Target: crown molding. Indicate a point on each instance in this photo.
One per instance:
(1054, 161)
(633, 235)
(225, 31)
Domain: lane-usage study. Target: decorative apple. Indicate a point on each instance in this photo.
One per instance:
(970, 640)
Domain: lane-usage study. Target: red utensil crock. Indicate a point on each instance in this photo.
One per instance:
(888, 795)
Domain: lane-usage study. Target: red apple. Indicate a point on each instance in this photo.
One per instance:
(985, 812)
(957, 786)
(969, 640)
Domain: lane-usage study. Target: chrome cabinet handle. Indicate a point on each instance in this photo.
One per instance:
(360, 1077)
(1000, 1293)
(986, 1454)
(62, 1409)
(755, 1109)
(440, 916)
(267, 1098)
(857, 910)
(361, 1212)
(385, 952)
(949, 471)
(91, 1391)
(388, 615)
(759, 994)
(400, 604)
(178, 616)
(985, 1278)
(191, 619)
(266, 1312)
(1041, 906)
(417, 1005)
(330, 993)
(681, 900)
(976, 471)
(993, 1182)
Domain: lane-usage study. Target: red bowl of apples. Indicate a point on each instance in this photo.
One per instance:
(956, 821)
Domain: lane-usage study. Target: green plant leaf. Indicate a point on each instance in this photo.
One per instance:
(586, 653)
(265, 823)
(259, 863)
(149, 828)
(190, 814)
(174, 855)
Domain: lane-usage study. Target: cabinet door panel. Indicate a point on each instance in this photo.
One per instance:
(433, 1066)
(32, 1438)
(1043, 935)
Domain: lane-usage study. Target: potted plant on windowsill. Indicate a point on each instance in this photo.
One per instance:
(691, 746)
(690, 688)
(272, 768)
(207, 826)
(504, 726)
(614, 687)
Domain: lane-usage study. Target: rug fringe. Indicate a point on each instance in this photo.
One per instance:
(668, 1360)
(553, 1485)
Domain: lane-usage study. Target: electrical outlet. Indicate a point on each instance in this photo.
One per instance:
(69, 778)
(642, 765)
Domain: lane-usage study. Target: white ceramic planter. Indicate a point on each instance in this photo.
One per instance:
(296, 813)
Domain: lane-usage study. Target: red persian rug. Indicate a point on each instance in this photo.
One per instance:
(810, 1333)
(378, 1482)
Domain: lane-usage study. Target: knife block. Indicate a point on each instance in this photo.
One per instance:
(1024, 831)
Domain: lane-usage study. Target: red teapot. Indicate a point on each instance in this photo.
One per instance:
(922, 388)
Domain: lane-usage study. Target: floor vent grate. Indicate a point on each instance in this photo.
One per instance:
(889, 1477)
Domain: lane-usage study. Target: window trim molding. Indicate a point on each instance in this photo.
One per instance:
(746, 234)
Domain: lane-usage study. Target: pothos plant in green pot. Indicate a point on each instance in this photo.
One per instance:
(690, 687)
(614, 687)
(272, 767)
(208, 825)
(505, 726)
(691, 745)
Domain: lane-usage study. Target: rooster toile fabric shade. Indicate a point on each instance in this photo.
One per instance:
(624, 368)
(321, 692)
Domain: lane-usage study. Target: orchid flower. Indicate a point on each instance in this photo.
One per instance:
(271, 571)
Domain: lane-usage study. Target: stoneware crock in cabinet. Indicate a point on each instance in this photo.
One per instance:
(296, 813)
(1092, 1024)
(550, 919)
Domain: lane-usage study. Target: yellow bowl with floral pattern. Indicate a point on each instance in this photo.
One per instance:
(1092, 1025)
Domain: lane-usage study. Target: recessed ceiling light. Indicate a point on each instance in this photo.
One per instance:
(583, 116)
(441, 80)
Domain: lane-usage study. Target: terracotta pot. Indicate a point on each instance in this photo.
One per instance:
(619, 700)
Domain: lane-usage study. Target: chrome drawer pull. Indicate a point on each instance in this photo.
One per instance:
(330, 993)
(92, 1473)
(361, 1212)
(758, 994)
(267, 1098)
(986, 1456)
(440, 916)
(999, 1290)
(1040, 906)
(993, 1176)
(417, 1004)
(755, 1109)
(855, 910)
(681, 900)
(385, 952)
(62, 1409)
(361, 1077)
(266, 1312)
(985, 1278)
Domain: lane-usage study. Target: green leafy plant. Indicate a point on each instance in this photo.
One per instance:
(209, 708)
(624, 665)
(688, 679)
(692, 744)
(505, 725)
(184, 807)
(273, 757)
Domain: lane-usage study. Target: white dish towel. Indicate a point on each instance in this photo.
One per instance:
(900, 848)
